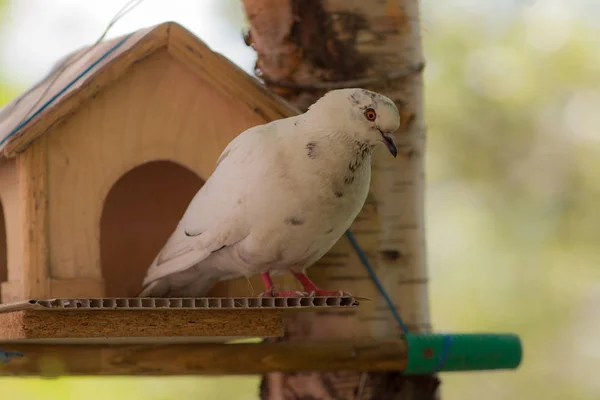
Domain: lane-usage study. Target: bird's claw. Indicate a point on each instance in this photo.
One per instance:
(328, 293)
(308, 293)
(273, 293)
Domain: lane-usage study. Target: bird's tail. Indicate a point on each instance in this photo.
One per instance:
(154, 289)
(193, 282)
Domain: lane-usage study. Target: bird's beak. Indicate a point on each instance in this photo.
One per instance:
(388, 139)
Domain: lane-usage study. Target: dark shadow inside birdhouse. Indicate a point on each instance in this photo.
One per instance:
(3, 255)
(140, 212)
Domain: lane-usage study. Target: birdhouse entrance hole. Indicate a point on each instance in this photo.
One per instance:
(140, 212)
(3, 256)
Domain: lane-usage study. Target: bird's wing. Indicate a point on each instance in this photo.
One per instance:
(216, 216)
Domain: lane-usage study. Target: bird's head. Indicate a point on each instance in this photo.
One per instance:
(364, 115)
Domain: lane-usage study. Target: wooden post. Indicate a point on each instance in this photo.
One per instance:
(32, 168)
(304, 48)
(11, 289)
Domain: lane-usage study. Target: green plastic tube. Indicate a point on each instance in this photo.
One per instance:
(430, 353)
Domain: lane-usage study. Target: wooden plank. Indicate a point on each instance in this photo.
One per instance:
(11, 291)
(9, 197)
(203, 359)
(32, 168)
(85, 324)
(77, 287)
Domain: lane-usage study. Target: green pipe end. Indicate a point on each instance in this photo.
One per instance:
(430, 353)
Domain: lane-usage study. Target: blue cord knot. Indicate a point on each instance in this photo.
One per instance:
(6, 356)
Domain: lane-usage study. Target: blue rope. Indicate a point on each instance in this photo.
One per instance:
(375, 279)
(447, 339)
(446, 345)
(64, 89)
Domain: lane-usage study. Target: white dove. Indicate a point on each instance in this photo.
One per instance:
(281, 196)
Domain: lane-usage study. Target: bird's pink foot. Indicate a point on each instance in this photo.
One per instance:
(313, 290)
(271, 292)
(310, 289)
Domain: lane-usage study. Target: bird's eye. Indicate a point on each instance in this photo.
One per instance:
(370, 114)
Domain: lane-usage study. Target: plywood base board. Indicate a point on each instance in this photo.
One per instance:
(88, 324)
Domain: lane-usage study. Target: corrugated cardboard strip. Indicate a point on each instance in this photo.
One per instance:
(153, 320)
(210, 303)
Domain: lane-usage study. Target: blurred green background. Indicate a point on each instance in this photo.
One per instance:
(513, 193)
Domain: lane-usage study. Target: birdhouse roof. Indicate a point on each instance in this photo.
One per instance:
(79, 77)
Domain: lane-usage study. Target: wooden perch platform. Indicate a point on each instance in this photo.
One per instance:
(201, 359)
(154, 321)
(67, 337)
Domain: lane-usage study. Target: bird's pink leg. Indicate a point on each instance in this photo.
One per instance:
(310, 287)
(270, 288)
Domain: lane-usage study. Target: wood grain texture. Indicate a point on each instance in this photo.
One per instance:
(9, 197)
(3, 244)
(204, 359)
(11, 291)
(77, 287)
(32, 167)
(74, 324)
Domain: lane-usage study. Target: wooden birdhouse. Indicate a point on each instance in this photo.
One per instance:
(100, 159)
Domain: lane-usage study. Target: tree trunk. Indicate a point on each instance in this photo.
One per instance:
(306, 47)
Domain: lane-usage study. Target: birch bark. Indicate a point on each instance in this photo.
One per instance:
(304, 47)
